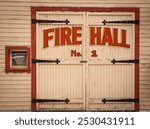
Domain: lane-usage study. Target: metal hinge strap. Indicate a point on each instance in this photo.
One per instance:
(136, 61)
(136, 100)
(34, 21)
(50, 100)
(125, 22)
(45, 61)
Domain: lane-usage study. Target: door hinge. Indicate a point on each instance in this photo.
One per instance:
(50, 100)
(136, 61)
(124, 22)
(136, 100)
(45, 61)
(34, 21)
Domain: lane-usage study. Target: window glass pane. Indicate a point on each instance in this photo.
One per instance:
(19, 58)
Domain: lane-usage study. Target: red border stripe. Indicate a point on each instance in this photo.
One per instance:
(33, 40)
(137, 17)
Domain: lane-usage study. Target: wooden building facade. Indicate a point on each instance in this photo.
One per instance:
(20, 86)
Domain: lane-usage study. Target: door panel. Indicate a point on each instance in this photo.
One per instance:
(66, 79)
(60, 82)
(110, 82)
(105, 79)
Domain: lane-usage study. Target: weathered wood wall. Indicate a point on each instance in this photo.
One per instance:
(15, 29)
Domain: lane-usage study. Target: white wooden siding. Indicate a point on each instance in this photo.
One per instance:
(15, 29)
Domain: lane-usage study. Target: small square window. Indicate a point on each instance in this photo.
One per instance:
(17, 59)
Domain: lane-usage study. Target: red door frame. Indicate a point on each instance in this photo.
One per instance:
(85, 9)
